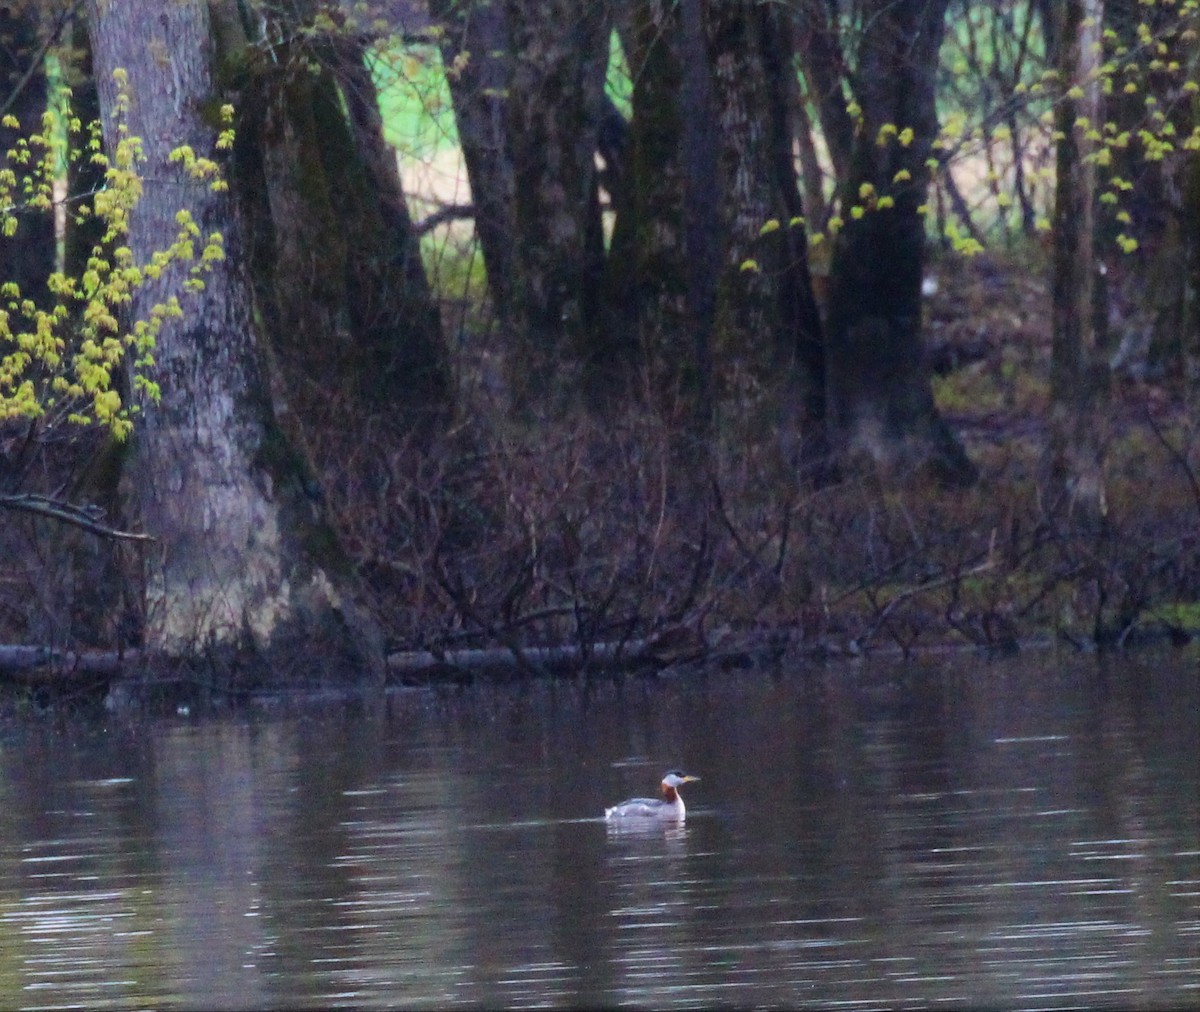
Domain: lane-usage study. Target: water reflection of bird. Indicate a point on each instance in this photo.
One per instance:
(669, 806)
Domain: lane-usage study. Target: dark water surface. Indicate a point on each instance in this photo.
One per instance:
(961, 832)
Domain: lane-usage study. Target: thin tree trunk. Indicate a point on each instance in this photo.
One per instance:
(824, 70)
(83, 175)
(812, 176)
(703, 231)
(1078, 372)
(27, 256)
(404, 365)
(247, 571)
(475, 44)
(803, 329)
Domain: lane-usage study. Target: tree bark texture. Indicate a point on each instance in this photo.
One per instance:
(649, 244)
(879, 396)
(1078, 371)
(474, 42)
(560, 50)
(768, 342)
(247, 570)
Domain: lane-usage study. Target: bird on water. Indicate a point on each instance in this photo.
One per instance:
(669, 806)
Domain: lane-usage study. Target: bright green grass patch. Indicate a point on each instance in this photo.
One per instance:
(455, 268)
(414, 99)
(414, 96)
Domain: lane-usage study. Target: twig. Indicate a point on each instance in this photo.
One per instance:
(920, 588)
(1177, 456)
(442, 216)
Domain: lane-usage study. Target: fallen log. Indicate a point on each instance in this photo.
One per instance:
(40, 663)
(550, 659)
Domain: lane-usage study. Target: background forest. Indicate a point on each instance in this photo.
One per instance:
(347, 338)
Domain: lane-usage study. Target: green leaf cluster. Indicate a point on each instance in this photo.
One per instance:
(65, 357)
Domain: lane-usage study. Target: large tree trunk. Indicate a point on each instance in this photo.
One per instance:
(559, 53)
(880, 401)
(768, 342)
(247, 571)
(648, 261)
(1078, 370)
(335, 255)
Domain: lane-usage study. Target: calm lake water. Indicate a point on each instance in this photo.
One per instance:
(962, 832)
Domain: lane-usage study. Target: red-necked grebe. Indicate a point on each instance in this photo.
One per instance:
(669, 806)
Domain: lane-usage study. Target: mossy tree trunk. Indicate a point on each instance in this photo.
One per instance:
(878, 387)
(247, 571)
(335, 255)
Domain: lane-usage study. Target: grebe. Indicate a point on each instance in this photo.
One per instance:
(669, 806)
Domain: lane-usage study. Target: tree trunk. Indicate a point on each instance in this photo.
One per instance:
(649, 249)
(880, 400)
(1078, 371)
(1190, 229)
(559, 53)
(335, 256)
(824, 70)
(768, 342)
(247, 571)
(27, 256)
(83, 175)
(475, 44)
(404, 364)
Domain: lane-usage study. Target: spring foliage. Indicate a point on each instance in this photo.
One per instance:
(64, 359)
(1149, 80)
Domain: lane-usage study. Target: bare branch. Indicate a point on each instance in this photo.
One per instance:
(87, 518)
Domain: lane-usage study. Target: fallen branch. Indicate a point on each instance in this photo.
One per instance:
(87, 518)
